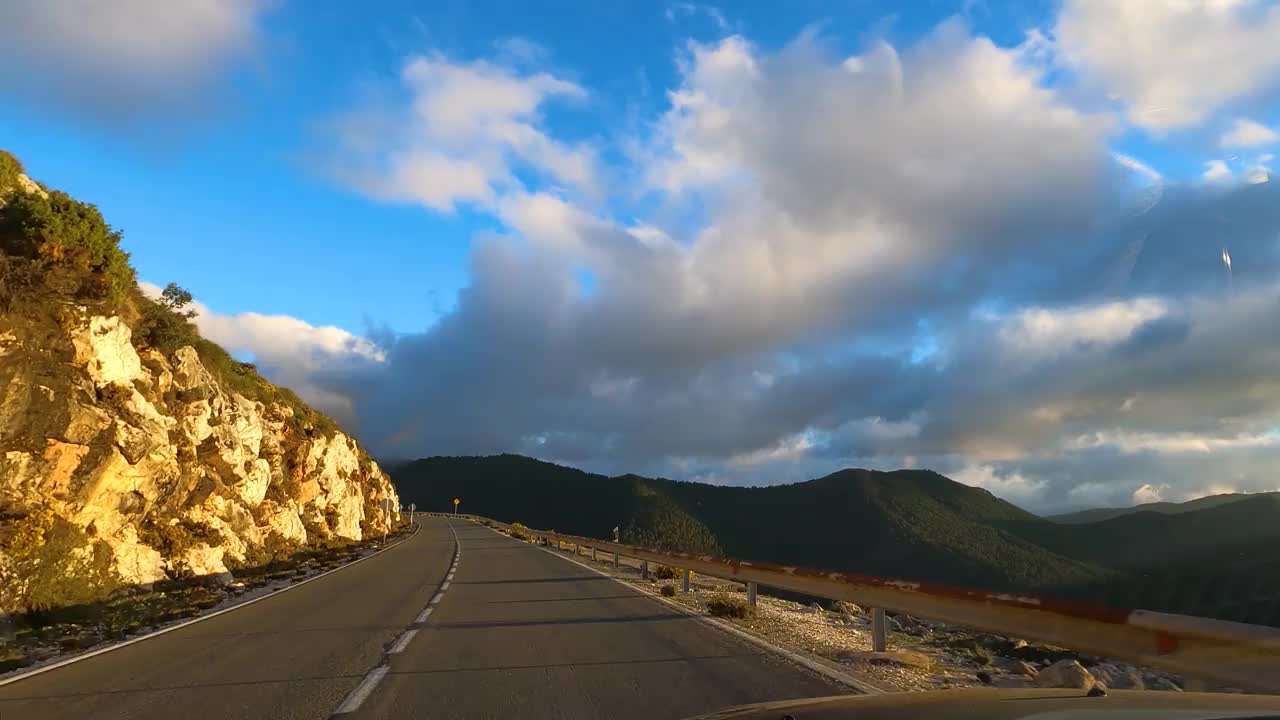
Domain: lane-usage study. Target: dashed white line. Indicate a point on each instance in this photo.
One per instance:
(362, 691)
(403, 641)
(371, 680)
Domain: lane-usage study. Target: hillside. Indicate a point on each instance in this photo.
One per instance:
(1166, 508)
(133, 450)
(911, 524)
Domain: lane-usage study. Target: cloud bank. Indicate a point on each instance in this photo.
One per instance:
(920, 256)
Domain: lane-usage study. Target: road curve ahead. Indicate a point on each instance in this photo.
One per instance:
(523, 633)
(295, 654)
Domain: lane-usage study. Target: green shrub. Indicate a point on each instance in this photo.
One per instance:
(165, 324)
(69, 233)
(173, 540)
(729, 606)
(10, 168)
(668, 590)
(665, 572)
(48, 566)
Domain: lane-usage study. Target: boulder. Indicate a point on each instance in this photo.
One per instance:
(1118, 677)
(1015, 666)
(1159, 682)
(205, 561)
(845, 607)
(1065, 674)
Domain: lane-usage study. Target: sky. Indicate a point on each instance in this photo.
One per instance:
(1032, 246)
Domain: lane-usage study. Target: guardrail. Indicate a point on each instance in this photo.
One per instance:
(1236, 654)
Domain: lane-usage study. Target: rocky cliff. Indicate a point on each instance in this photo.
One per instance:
(123, 464)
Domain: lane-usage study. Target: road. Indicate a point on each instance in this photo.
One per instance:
(518, 632)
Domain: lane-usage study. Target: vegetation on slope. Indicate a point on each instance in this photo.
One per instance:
(911, 524)
(56, 249)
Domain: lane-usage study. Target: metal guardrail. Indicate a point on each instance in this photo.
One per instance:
(1235, 654)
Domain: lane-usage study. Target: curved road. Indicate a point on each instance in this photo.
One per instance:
(518, 632)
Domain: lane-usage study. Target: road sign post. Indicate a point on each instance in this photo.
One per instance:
(456, 503)
(878, 643)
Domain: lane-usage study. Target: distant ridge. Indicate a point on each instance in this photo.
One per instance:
(1167, 508)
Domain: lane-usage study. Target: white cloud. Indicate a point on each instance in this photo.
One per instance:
(1175, 442)
(1149, 493)
(1215, 170)
(1050, 331)
(1011, 486)
(1173, 63)
(288, 351)
(458, 132)
(1248, 133)
(121, 58)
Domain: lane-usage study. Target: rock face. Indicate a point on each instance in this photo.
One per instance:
(1066, 674)
(151, 467)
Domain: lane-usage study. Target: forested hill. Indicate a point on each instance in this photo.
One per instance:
(911, 524)
(908, 523)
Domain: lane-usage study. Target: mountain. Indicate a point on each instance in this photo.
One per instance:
(910, 524)
(1166, 508)
(131, 449)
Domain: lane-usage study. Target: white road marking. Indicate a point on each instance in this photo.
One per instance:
(422, 616)
(200, 618)
(817, 667)
(435, 599)
(362, 691)
(403, 641)
(444, 586)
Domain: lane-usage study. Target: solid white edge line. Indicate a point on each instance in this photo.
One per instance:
(362, 691)
(830, 673)
(125, 643)
(402, 642)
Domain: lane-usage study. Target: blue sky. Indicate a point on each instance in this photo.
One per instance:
(612, 219)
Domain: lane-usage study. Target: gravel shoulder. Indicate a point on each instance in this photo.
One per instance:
(921, 655)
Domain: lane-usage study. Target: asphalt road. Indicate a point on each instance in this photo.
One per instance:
(295, 654)
(525, 634)
(518, 632)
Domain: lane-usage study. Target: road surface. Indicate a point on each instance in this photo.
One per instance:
(518, 632)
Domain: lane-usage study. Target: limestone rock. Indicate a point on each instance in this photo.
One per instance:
(120, 440)
(1118, 677)
(1065, 674)
(1016, 666)
(204, 560)
(105, 349)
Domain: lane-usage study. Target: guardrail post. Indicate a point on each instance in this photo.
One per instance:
(644, 569)
(593, 554)
(615, 559)
(751, 594)
(684, 584)
(877, 630)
